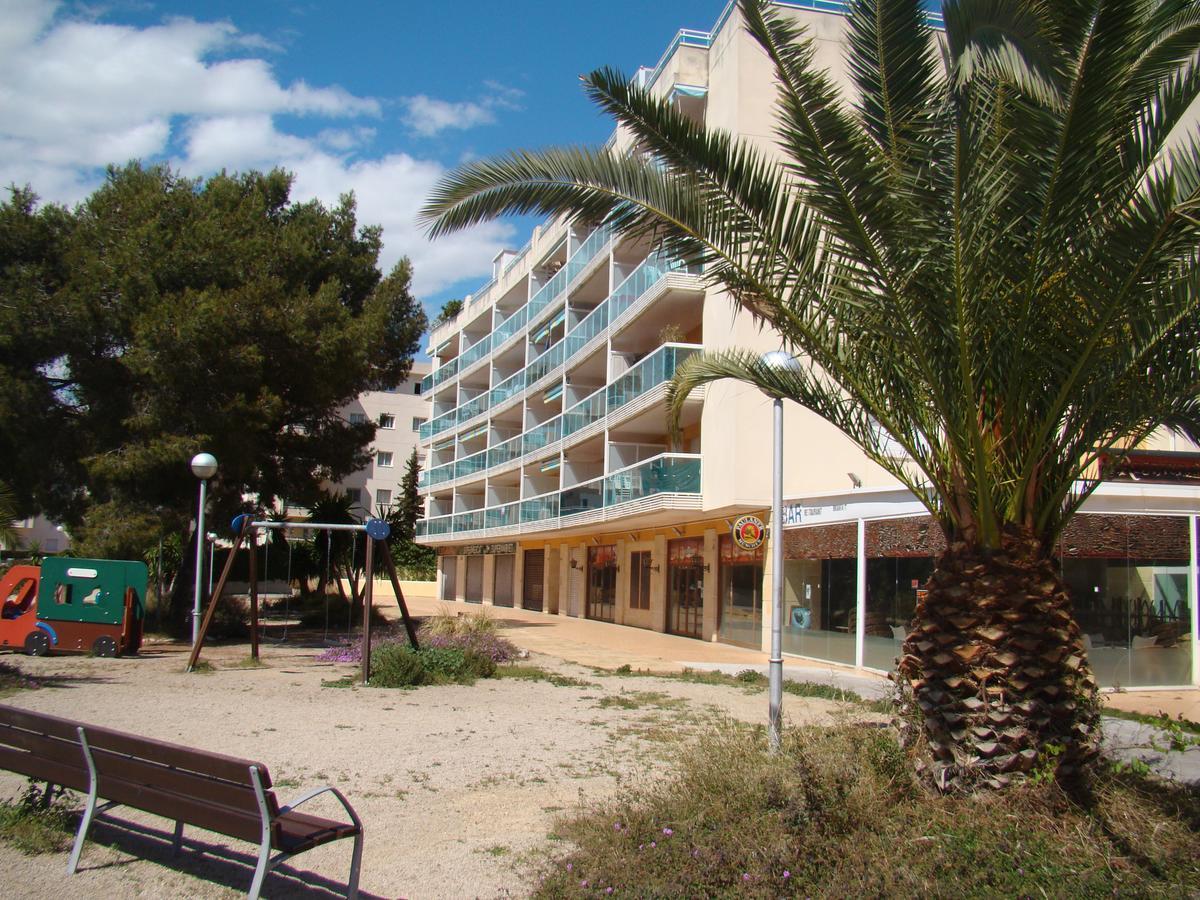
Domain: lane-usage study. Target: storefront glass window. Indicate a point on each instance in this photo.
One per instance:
(819, 606)
(1129, 582)
(893, 585)
(741, 594)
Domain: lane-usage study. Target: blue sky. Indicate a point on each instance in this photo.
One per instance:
(376, 97)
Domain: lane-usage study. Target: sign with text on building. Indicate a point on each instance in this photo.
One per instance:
(479, 550)
(749, 532)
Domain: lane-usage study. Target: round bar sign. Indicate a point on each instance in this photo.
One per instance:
(749, 532)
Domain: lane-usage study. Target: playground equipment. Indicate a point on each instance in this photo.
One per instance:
(73, 605)
(246, 528)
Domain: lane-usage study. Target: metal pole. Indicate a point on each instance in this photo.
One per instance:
(199, 560)
(212, 549)
(368, 597)
(775, 663)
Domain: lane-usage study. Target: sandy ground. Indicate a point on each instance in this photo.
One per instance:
(457, 786)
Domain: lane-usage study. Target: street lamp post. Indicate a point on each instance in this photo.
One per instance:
(204, 467)
(776, 359)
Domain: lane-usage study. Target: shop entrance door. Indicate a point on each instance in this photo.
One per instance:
(602, 583)
(535, 568)
(685, 587)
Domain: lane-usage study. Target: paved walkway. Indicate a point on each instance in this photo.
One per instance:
(609, 646)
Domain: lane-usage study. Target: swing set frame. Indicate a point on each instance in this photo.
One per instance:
(246, 529)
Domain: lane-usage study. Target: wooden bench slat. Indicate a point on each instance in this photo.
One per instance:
(58, 749)
(40, 769)
(154, 777)
(295, 832)
(40, 722)
(194, 811)
(216, 765)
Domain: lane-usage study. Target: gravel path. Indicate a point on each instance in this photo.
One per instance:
(457, 785)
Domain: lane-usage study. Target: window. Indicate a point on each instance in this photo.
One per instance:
(383, 498)
(639, 579)
(354, 495)
(387, 420)
(357, 419)
(416, 387)
(417, 423)
(383, 459)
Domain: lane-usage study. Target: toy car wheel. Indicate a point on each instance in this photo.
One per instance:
(104, 646)
(37, 643)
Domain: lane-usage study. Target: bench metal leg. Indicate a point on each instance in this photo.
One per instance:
(355, 866)
(260, 872)
(177, 842)
(89, 811)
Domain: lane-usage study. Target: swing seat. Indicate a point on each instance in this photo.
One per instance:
(267, 590)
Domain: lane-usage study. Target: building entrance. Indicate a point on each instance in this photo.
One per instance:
(741, 594)
(685, 587)
(602, 583)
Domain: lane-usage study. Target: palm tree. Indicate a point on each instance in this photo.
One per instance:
(987, 256)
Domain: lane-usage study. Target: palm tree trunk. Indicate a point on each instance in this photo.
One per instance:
(995, 671)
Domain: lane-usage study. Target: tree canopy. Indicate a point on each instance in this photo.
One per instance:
(166, 315)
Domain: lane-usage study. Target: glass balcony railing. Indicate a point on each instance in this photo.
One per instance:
(546, 433)
(581, 498)
(510, 326)
(469, 465)
(667, 473)
(500, 516)
(475, 352)
(590, 409)
(656, 369)
(505, 452)
(641, 279)
(554, 288)
(648, 373)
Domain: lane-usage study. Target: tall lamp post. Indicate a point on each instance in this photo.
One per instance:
(204, 467)
(212, 550)
(779, 360)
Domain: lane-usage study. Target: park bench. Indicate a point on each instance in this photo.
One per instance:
(212, 791)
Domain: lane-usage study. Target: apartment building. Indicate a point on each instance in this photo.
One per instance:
(398, 415)
(552, 483)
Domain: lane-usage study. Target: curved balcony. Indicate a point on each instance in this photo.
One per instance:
(547, 295)
(636, 285)
(655, 369)
(669, 480)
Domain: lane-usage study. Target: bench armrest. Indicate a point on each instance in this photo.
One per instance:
(323, 790)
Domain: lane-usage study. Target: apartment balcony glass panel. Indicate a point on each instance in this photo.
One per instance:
(473, 408)
(640, 280)
(441, 474)
(538, 509)
(427, 383)
(588, 410)
(444, 373)
(545, 364)
(475, 352)
(592, 325)
(666, 474)
(470, 521)
(510, 326)
(649, 373)
(476, 462)
(509, 387)
(435, 526)
(546, 433)
(501, 516)
(506, 452)
(581, 498)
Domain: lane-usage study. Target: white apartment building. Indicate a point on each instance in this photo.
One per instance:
(398, 415)
(552, 484)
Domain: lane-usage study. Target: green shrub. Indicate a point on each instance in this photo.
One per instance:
(445, 664)
(480, 664)
(394, 666)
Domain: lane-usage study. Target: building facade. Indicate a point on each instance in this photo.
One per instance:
(398, 415)
(552, 482)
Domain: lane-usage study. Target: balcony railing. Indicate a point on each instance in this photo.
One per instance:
(667, 473)
(656, 369)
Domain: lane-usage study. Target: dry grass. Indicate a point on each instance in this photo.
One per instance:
(838, 814)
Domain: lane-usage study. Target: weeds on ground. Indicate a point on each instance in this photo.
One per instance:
(475, 633)
(838, 814)
(535, 673)
(640, 699)
(35, 823)
(202, 667)
(12, 679)
(1162, 720)
(397, 666)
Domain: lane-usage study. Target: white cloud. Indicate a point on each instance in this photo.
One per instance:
(428, 116)
(76, 95)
